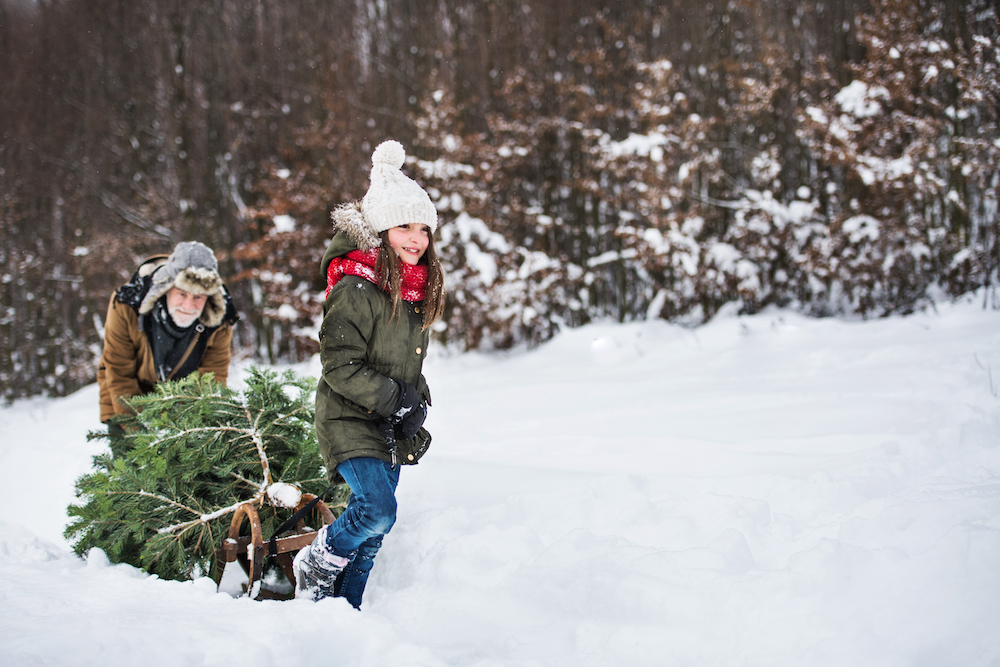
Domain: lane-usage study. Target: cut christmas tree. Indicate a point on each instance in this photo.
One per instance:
(189, 456)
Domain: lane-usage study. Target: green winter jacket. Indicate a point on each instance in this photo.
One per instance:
(362, 349)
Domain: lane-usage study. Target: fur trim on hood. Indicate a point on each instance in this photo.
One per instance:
(347, 218)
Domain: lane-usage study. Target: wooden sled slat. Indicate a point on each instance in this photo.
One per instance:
(250, 550)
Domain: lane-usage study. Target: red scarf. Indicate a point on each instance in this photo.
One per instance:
(361, 263)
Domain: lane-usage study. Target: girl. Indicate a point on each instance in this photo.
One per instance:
(384, 290)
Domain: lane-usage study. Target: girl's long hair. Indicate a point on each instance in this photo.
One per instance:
(387, 266)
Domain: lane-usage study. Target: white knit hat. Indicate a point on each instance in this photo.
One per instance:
(393, 199)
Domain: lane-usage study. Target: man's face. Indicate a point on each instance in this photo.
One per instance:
(184, 308)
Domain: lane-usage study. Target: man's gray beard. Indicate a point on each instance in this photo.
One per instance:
(183, 320)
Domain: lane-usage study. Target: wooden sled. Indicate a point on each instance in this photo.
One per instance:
(250, 550)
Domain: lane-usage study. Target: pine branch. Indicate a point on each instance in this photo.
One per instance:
(157, 497)
(205, 518)
(260, 487)
(265, 464)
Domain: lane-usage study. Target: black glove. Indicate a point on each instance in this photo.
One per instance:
(409, 413)
(388, 432)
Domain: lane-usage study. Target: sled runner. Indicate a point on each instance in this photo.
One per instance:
(251, 549)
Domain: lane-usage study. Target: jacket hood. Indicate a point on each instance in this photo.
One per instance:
(350, 233)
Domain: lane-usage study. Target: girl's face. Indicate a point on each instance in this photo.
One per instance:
(409, 242)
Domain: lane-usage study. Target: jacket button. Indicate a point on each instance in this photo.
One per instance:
(409, 457)
(416, 310)
(418, 350)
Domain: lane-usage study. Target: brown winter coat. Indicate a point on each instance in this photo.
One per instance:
(126, 367)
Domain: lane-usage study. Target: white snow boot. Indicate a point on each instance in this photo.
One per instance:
(316, 569)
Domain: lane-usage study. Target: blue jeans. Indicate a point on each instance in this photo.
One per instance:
(357, 533)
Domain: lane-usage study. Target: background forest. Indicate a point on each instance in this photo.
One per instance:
(590, 160)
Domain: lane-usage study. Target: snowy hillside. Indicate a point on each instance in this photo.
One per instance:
(769, 490)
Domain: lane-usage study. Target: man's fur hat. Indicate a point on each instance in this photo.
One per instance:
(191, 267)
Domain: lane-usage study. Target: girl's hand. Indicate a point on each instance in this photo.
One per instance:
(388, 432)
(410, 412)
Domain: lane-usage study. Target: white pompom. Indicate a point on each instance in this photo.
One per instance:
(390, 153)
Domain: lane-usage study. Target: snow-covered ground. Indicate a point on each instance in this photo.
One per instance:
(768, 490)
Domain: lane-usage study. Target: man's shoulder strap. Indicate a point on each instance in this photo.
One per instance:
(190, 363)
